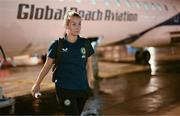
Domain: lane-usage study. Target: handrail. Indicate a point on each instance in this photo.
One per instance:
(4, 57)
(1, 63)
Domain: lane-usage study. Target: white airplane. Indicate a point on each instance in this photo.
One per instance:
(28, 26)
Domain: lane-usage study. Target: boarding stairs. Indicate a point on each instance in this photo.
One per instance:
(5, 102)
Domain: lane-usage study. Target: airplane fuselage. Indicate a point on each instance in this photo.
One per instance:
(30, 26)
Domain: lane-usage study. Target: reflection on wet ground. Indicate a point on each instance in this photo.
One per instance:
(142, 93)
(137, 93)
(47, 104)
(167, 66)
(145, 93)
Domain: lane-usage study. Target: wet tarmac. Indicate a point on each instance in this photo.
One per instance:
(142, 93)
(152, 91)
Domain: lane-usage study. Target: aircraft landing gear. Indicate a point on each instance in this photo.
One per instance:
(142, 56)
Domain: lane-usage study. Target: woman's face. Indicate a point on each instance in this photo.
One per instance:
(74, 26)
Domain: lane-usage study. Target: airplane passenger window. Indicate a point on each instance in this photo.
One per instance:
(149, 5)
(117, 2)
(106, 2)
(78, 1)
(166, 8)
(137, 4)
(159, 6)
(128, 3)
(153, 6)
(93, 2)
(175, 8)
(146, 5)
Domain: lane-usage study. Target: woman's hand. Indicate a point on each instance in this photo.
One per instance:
(91, 82)
(90, 73)
(35, 89)
(47, 66)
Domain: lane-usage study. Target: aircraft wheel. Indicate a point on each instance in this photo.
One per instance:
(146, 57)
(138, 56)
(142, 57)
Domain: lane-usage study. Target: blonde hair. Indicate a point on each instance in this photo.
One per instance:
(68, 15)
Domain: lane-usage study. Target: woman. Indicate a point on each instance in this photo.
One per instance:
(74, 73)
